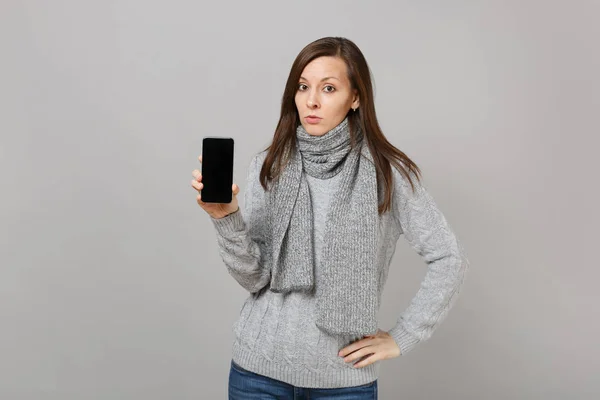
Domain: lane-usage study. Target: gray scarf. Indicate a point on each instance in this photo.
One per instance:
(347, 297)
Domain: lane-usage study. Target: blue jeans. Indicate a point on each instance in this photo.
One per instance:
(247, 385)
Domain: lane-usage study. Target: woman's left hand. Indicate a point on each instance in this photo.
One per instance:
(376, 347)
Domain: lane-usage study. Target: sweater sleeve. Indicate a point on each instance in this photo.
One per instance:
(429, 234)
(243, 240)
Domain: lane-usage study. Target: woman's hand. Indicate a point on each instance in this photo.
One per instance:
(376, 347)
(215, 210)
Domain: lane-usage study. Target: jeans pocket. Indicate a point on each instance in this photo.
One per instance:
(239, 369)
(366, 385)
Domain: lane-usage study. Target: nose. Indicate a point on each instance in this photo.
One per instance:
(312, 102)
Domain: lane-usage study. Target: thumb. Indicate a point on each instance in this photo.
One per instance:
(235, 188)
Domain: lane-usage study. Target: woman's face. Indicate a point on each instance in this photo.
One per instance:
(324, 92)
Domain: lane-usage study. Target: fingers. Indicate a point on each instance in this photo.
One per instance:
(197, 185)
(359, 353)
(369, 359)
(196, 174)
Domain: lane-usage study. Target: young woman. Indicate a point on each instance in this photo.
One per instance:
(325, 204)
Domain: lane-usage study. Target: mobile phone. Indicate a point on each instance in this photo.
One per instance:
(217, 169)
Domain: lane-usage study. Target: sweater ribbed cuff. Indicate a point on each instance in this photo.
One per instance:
(233, 222)
(405, 340)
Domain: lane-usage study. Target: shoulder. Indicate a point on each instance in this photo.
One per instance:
(261, 154)
(259, 157)
(254, 168)
(398, 176)
(257, 160)
(401, 180)
(401, 183)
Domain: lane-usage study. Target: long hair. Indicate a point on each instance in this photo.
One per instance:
(383, 152)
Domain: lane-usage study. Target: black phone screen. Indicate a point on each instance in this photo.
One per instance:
(217, 169)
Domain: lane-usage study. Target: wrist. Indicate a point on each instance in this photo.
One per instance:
(232, 222)
(227, 215)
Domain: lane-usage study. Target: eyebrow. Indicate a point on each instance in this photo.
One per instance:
(324, 79)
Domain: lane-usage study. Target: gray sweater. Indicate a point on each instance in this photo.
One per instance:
(275, 334)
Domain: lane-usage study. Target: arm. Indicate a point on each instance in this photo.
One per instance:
(429, 234)
(243, 241)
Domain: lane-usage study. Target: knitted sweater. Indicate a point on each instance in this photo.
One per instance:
(275, 333)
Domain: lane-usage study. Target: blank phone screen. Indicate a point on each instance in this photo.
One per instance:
(217, 170)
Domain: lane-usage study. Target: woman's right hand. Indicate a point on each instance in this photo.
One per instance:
(215, 210)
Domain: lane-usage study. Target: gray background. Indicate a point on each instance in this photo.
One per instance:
(111, 285)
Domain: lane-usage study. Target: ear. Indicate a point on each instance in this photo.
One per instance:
(356, 100)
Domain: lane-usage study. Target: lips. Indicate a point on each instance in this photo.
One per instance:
(312, 120)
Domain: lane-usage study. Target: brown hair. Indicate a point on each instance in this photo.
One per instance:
(383, 152)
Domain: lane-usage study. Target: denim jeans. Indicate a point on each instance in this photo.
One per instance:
(246, 385)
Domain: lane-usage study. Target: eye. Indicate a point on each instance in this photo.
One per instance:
(301, 86)
(329, 91)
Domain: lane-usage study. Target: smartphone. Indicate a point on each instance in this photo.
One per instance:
(217, 169)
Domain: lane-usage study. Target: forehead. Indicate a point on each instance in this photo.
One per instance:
(325, 66)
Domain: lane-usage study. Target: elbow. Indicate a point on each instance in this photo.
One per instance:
(454, 263)
(263, 280)
(460, 262)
